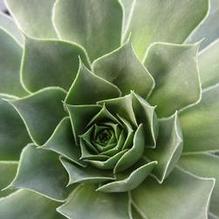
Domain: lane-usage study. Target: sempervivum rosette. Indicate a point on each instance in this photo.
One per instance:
(105, 112)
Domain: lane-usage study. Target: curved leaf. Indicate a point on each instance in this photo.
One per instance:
(174, 198)
(122, 68)
(13, 135)
(131, 181)
(41, 171)
(166, 21)
(204, 165)
(28, 205)
(33, 17)
(90, 23)
(10, 59)
(208, 64)
(169, 147)
(7, 173)
(62, 142)
(7, 24)
(50, 63)
(200, 123)
(86, 201)
(41, 112)
(174, 68)
(88, 88)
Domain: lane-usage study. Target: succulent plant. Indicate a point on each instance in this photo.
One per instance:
(109, 109)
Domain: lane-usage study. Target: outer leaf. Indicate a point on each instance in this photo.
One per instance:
(200, 123)
(90, 23)
(41, 112)
(209, 29)
(13, 135)
(7, 24)
(86, 201)
(122, 68)
(33, 17)
(169, 147)
(10, 58)
(82, 90)
(87, 174)
(174, 198)
(50, 63)
(28, 205)
(212, 216)
(40, 170)
(174, 68)
(208, 64)
(204, 165)
(131, 182)
(7, 173)
(167, 21)
(62, 142)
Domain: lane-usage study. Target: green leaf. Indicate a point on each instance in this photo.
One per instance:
(133, 180)
(41, 171)
(62, 142)
(212, 216)
(200, 123)
(209, 28)
(96, 88)
(164, 21)
(50, 63)
(7, 173)
(88, 174)
(145, 114)
(33, 17)
(204, 165)
(90, 23)
(10, 59)
(28, 205)
(174, 198)
(208, 65)
(169, 147)
(122, 68)
(86, 201)
(41, 112)
(7, 24)
(134, 153)
(13, 135)
(80, 116)
(174, 68)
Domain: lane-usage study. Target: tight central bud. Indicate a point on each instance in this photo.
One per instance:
(103, 136)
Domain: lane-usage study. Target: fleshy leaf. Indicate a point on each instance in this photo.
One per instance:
(41, 112)
(122, 68)
(208, 64)
(62, 142)
(89, 88)
(9, 26)
(28, 205)
(174, 68)
(169, 147)
(131, 181)
(86, 201)
(10, 59)
(50, 63)
(90, 23)
(41, 171)
(164, 21)
(7, 173)
(200, 123)
(13, 135)
(134, 153)
(88, 174)
(174, 198)
(204, 165)
(209, 29)
(33, 17)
